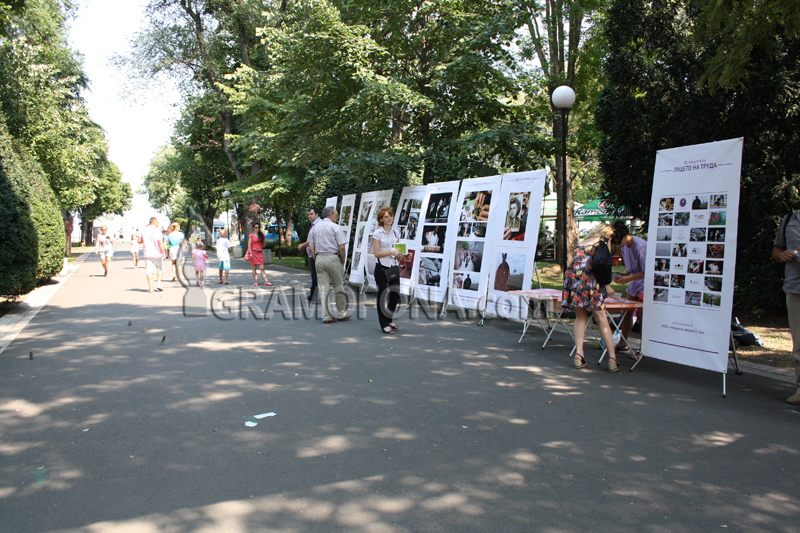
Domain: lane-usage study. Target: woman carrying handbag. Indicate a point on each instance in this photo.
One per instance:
(387, 269)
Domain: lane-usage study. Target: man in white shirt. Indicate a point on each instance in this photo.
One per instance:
(153, 253)
(327, 243)
(224, 256)
(313, 217)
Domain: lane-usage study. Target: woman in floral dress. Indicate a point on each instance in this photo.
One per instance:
(581, 291)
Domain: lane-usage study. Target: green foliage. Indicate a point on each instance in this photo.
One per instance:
(41, 80)
(652, 102)
(32, 242)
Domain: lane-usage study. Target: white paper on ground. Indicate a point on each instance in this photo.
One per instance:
(264, 415)
(251, 424)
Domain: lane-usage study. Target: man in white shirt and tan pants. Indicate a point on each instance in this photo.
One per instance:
(326, 244)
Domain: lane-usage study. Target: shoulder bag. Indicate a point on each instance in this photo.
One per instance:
(602, 262)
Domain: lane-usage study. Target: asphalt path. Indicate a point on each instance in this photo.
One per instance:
(443, 427)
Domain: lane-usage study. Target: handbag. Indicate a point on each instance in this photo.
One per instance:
(391, 273)
(247, 255)
(602, 263)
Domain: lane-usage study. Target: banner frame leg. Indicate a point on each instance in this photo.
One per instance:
(735, 357)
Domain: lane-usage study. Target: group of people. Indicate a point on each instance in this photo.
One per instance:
(326, 249)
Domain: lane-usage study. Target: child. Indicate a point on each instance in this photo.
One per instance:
(199, 257)
(224, 256)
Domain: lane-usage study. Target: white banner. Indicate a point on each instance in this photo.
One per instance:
(363, 259)
(346, 218)
(469, 274)
(383, 199)
(363, 214)
(435, 241)
(332, 201)
(511, 253)
(406, 221)
(691, 254)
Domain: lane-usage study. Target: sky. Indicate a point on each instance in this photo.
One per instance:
(134, 130)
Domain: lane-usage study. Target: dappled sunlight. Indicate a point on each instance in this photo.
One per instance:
(393, 433)
(326, 445)
(716, 439)
(204, 401)
(774, 449)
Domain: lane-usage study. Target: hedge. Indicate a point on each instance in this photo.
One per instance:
(32, 238)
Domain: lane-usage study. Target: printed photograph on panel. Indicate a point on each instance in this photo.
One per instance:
(717, 218)
(468, 256)
(662, 265)
(665, 219)
(692, 298)
(666, 204)
(430, 272)
(476, 206)
(365, 207)
(664, 234)
(438, 208)
(718, 200)
(344, 218)
(660, 295)
(466, 282)
(700, 202)
(716, 234)
(433, 239)
(509, 272)
(682, 219)
(714, 267)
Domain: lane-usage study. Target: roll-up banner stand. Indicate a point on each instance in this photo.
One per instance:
(365, 227)
(435, 241)
(383, 199)
(477, 214)
(691, 255)
(363, 214)
(332, 201)
(511, 253)
(346, 218)
(406, 221)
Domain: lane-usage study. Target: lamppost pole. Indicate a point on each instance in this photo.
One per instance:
(563, 98)
(227, 195)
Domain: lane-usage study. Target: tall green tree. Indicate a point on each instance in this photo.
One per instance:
(112, 197)
(655, 100)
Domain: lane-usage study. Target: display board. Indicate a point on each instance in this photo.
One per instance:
(511, 249)
(477, 214)
(691, 254)
(435, 241)
(384, 198)
(332, 201)
(346, 218)
(366, 225)
(406, 221)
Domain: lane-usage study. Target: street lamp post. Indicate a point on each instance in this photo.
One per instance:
(563, 98)
(227, 195)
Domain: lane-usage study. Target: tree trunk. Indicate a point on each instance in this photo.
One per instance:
(87, 237)
(287, 232)
(69, 221)
(566, 204)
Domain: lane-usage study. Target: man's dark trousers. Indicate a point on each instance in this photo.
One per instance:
(313, 294)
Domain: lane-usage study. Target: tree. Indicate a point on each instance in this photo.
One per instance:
(655, 100)
(41, 80)
(562, 38)
(112, 197)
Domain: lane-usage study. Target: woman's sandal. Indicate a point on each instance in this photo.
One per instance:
(613, 366)
(579, 362)
(393, 326)
(638, 355)
(388, 330)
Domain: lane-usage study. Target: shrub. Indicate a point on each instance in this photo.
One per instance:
(32, 239)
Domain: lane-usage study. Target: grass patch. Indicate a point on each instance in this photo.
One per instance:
(293, 262)
(78, 251)
(551, 277)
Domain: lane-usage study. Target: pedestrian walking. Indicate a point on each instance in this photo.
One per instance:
(387, 273)
(199, 258)
(313, 217)
(152, 242)
(224, 256)
(327, 243)
(255, 254)
(104, 247)
(175, 242)
(135, 248)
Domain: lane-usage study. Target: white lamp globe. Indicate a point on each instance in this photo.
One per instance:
(563, 97)
(226, 194)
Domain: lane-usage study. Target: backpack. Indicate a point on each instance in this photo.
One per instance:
(602, 263)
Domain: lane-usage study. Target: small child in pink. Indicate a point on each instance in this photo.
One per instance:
(199, 258)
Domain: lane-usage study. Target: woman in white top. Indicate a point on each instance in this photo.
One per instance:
(104, 247)
(383, 241)
(135, 248)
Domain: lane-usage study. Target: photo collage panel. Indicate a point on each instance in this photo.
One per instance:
(690, 250)
(470, 240)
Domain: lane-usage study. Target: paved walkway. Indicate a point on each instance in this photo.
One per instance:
(444, 426)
